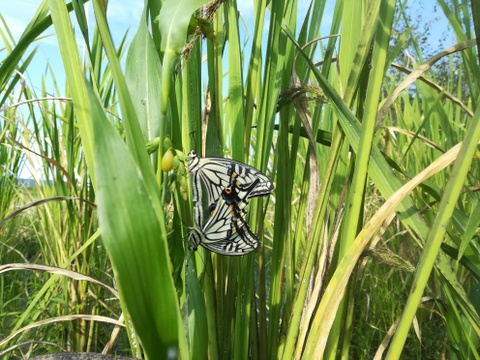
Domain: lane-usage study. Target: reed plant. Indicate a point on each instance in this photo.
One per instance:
(369, 241)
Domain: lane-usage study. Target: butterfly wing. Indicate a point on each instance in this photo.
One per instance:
(243, 241)
(226, 232)
(217, 174)
(220, 225)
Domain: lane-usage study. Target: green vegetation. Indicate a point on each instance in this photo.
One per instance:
(370, 240)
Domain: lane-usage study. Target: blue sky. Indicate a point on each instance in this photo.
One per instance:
(17, 14)
(124, 15)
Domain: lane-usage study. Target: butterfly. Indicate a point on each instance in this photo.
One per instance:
(226, 232)
(218, 174)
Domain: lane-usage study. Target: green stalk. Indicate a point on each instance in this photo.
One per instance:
(234, 110)
(355, 200)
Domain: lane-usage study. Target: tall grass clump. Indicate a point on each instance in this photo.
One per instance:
(368, 242)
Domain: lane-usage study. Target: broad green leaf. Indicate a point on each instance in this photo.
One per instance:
(142, 75)
(130, 231)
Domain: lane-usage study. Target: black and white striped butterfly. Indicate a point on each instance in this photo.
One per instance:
(218, 174)
(226, 232)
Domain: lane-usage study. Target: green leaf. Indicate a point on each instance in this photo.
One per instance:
(198, 334)
(135, 240)
(472, 227)
(173, 22)
(143, 78)
(75, 77)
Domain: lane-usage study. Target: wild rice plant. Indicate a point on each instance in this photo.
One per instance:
(366, 155)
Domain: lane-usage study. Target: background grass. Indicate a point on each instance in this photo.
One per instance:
(369, 242)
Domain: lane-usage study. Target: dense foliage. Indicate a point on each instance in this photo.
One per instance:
(369, 241)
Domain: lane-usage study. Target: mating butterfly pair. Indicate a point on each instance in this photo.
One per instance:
(229, 184)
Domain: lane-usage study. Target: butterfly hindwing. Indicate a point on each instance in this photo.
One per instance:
(226, 215)
(242, 242)
(226, 232)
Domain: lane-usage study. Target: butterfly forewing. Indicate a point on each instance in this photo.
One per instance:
(217, 174)
(214, 180)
